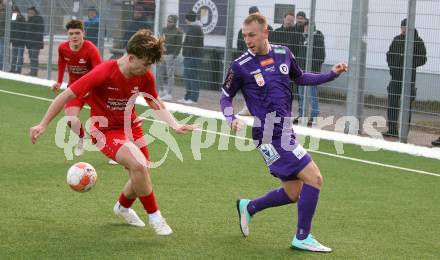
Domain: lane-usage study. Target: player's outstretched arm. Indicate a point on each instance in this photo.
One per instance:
(53, 110)
(167, 117)
(313, 79)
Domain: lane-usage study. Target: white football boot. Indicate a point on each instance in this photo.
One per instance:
(161, 227)
(129, 215)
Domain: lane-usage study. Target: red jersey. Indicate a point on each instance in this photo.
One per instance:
(78, 62)
(109, 92)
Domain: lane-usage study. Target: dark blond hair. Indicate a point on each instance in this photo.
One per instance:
(75, 24)
(256, 17)
(144, 45)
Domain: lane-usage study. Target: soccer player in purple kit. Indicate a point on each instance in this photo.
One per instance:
(263, 74)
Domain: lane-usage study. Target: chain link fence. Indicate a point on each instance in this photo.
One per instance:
(392, 48)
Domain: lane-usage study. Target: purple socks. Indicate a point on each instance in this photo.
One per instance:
(274, 198)
(308, 199)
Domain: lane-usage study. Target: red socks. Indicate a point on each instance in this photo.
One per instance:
(149, 203)
(81, 130)
(125, 202)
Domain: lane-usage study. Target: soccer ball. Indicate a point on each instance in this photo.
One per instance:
(81, 177)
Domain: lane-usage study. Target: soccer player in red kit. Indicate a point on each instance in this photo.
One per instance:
(79, 56)
(112, 86)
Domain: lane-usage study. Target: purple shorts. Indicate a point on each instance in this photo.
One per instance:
(285, 162)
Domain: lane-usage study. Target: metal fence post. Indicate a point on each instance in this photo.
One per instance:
(309, 59)
(230, 17)
(405, 100)
(102, 26)
(357, 60)
(7, 37)
(51, 41)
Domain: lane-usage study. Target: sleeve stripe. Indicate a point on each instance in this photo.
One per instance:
(224, 92)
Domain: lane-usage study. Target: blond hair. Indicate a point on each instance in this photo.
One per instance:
(256, 17)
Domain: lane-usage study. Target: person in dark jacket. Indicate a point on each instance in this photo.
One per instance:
(318, 57)
(192, 58)
(289, 34)
(139, 22)
(395, 58)
(300, 50)
(91, 25)
(34, 38)
(173, 44)
(18, 35)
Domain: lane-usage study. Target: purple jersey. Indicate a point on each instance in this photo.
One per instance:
(265, 81)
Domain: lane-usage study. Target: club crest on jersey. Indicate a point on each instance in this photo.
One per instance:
(259, 79)
(267, 62)
(284, 69)
(82, 61)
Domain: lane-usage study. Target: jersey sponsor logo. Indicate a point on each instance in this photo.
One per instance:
(267, 62)
(116, 104)
(112, 88)
(270, 69)
(259, 79)
(67, 59)
(280, 50)
(284, 69)
(82, 61)
(255, 71)
(208, 14)
(79, 69)
(270, 155)
(299, 151)
(229, 78)
(245, 60)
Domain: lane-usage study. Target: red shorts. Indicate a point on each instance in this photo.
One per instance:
(76, 102)
(110, 141)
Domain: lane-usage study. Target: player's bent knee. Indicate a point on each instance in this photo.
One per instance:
(137, 167)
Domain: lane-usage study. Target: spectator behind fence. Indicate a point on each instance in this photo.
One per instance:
(173, 44)
(18, 37)
(139, 22)
(192, 58)
(2, 32)
(241, 48)
(300, 50)
(395, 58)
(318, 57)
(288, 34)
(92, 25)
(34, 38)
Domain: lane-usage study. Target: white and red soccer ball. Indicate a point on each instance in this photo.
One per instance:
(81, 177)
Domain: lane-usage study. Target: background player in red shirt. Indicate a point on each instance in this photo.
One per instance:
(111, 87)
(79, 56)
